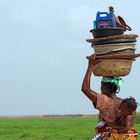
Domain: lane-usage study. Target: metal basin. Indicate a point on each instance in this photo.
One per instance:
(114, 48)
(97, 33)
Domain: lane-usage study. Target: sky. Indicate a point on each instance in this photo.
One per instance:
(43, 53)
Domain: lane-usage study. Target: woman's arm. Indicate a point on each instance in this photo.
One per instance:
(92, 95)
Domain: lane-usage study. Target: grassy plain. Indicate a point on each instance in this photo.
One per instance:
(74, 128)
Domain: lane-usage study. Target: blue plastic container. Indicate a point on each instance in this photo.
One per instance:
(94, 24)
(105, 20)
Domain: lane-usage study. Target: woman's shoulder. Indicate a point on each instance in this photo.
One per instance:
(117, 99)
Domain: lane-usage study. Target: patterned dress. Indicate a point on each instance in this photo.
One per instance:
(108, 108)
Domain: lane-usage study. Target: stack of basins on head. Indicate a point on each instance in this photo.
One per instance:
(115, 50)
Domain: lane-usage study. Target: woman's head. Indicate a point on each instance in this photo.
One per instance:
(128, 106)
(110, 85)
(109, 88)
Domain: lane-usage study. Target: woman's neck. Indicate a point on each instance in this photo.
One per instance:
(113, 95)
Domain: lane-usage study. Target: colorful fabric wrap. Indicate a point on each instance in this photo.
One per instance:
(106, 133)
(118, 81)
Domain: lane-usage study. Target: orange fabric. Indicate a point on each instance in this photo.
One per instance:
(116, 136)
(107, 134)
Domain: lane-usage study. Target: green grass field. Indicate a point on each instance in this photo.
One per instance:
(49, 128)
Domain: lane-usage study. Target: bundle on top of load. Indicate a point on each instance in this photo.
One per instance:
(115, 50)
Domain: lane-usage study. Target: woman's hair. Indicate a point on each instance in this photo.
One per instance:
(113, 83)
(113, 87)
(130, 102)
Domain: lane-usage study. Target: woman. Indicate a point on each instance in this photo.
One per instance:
(107, 102)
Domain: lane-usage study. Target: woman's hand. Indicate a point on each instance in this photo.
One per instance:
(92, 60)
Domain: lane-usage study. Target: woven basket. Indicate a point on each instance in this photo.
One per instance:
(112, 67)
